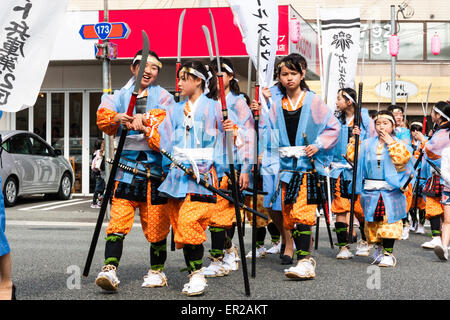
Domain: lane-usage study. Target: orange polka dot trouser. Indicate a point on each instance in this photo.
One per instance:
(378, 230)
(224, 213)
(260, 222)
(300, 211)
(343, 205)
(189, 220)
(154, 218)
(433, 207)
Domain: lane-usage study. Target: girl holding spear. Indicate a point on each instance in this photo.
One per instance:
(341, 171)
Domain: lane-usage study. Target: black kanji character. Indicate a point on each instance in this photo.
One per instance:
(12, 45)
(4, 95)
(260, 13)
(265, 41)
(20, 29)
(265, 54)
(25, 9)
(261, 27)
(7, 62)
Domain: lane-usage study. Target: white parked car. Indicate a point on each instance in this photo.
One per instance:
(29, 165)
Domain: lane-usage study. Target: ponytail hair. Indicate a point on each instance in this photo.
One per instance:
(295, 62)
(196, 69)
(227, 67)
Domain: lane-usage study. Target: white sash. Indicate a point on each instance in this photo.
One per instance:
(292, 152)
(371, 185)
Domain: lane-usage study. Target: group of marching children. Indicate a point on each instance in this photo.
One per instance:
(298, 132)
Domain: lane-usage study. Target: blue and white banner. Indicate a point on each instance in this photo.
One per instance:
(28, 29)
(340, 28)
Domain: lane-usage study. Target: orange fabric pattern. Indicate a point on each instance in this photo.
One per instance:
(409, 197)
(154, 220)
(189, 220)
(300, 211)
(378, 230)
(153, 119)
(105, 121)
(224, 212)
(260, 222)
(433, 207)
(343, 205)
(399, 155)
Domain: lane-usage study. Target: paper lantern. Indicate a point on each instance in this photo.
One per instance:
(294, 30)
(394, 44)
(436, 44)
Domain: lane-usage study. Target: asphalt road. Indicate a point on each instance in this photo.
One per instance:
(50, 244)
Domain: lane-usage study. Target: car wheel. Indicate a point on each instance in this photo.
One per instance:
(10, 192)
(65, 187)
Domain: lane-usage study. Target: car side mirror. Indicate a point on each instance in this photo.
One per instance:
(58, 152)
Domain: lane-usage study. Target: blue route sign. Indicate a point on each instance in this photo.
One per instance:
(105, 31)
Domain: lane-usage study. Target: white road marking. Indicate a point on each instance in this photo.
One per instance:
(65, 205)
(48, 204)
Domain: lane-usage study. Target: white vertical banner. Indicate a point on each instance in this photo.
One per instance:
(28, 29)
(254, 17)
(340, 29)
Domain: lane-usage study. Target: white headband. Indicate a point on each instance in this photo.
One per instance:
(348, 96)
(196, 73)
(417, 124)
(441, 113)
(151, 59)
(227, 67)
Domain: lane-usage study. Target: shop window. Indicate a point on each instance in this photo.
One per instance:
(411, 41)
(443, 30)
(39, 116)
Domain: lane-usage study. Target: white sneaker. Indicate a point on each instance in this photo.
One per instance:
(197, 284)
(275, 248)
(154, 278)
(215, 269)
(388, 260)
(231, 259)
(441, 251)
(107, 278)
(431, 244)
(420, 229)
(378, 254)
(305, 269)
(362, 249)
(413, 227)
(405, 233)
(344, 253)
(260, 253)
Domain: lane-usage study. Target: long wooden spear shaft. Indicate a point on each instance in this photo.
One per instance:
(255, 166)
(111, 179)
(229, 150)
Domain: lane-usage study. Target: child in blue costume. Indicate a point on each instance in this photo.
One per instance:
(224, 257)
(193, 132)
(132, 192)
(7, 289)
(341, 172)
(296, 112)
(384, 165)
(440, 115)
